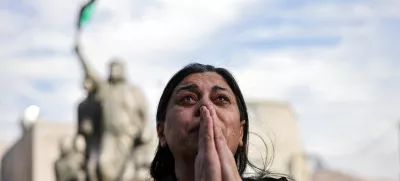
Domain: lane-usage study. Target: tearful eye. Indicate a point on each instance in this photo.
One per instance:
(223, 99)
(187, 99)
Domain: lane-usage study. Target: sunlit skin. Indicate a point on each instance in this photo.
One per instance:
(203, 129)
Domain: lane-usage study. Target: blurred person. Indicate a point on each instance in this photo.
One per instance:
(203, 129)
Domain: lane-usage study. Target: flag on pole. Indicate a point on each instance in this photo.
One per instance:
(85, 14)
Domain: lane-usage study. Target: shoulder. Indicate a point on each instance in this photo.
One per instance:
(81, 105)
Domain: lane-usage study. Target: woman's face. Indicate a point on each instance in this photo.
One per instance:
(180, 129)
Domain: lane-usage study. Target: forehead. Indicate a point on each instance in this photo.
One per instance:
(205, 80)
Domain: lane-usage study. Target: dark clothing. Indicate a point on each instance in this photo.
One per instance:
(90, 109)
(172, 178)
(267, 179)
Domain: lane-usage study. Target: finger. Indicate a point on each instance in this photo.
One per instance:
(226, 158)
(207, 159)
(201, 129)
(206, 136)
(213, 113)
(217, 123)
(208, 131)
(220, 140)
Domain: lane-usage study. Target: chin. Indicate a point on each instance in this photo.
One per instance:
(190, 148)
(191, 152)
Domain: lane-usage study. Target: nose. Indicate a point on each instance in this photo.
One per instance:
(205, 101)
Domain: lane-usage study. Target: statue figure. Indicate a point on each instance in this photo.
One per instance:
(144, 152)
(69, 166)
(123, 119)
(89, 126)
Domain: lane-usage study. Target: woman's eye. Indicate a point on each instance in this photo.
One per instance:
(187, 99)
(223, 99)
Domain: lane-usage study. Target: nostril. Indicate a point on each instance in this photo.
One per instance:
(197, 113)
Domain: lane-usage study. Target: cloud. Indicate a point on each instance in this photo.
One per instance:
(335, 61)
(345, 87)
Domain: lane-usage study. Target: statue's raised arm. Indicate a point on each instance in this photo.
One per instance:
(89, 71)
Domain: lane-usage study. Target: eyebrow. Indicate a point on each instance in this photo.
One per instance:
(216, 88)
(187, 87)
(194, 86)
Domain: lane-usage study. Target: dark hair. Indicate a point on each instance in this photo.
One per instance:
(163, 164)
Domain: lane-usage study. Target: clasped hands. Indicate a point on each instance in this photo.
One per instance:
(214, 161)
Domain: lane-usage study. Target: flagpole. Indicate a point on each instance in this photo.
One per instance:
(77, 37)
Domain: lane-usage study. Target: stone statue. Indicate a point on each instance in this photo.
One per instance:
(89, 126)
(69, 166)
(123, 121)
(144, 152)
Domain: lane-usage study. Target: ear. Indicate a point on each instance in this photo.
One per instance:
(160, 133)
(241, 133)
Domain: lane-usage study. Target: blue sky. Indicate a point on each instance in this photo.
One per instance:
(335, 61)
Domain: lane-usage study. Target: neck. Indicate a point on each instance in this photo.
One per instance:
(184, 169)
(90, 95)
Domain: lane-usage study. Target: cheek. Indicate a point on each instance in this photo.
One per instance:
(231, 124)
(233, 137)
(233, 132)
(177, 123)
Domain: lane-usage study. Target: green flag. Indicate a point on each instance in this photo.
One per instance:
(85, 14)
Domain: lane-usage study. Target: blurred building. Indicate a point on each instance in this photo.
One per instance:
(32, 156)
(326, 175)
(3, 148)
(275, 139)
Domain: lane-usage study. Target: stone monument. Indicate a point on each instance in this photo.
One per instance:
(114, 123)
(72, 157)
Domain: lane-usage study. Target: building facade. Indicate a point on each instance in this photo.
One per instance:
(275, 139)
(31, 158)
